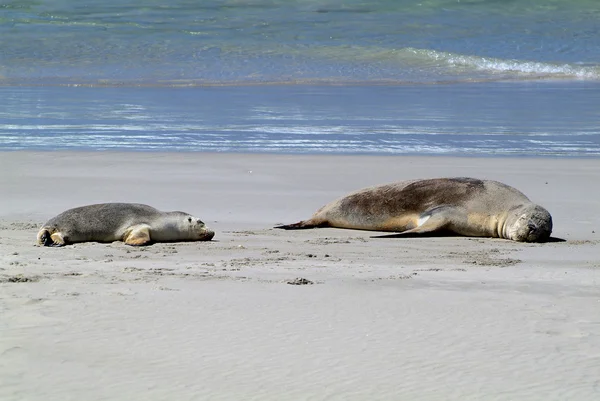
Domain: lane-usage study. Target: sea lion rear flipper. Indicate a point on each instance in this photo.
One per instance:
(304, 224)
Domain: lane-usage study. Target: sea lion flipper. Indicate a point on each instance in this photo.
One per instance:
(427, 227)
(58, 239)
(435, 220)
(302, 225)
(54, 239)
(137, 235)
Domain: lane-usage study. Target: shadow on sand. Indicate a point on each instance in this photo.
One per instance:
(444, 234)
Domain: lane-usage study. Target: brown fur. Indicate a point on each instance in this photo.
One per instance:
(465, 206)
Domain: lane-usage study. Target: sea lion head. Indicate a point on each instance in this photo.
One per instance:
(529, 223)
(196, 229)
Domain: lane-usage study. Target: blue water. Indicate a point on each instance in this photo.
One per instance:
(482, 77)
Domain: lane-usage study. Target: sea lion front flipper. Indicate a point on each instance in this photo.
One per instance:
(57, 239)
(50, 237)
(439, 219)
(137, 235)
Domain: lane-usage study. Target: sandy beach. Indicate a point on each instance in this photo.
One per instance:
(443, 318)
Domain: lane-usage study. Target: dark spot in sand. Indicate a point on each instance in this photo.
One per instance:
(299, 281)
(20, 279)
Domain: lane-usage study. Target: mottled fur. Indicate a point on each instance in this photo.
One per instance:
(132, 223)
(464, 206)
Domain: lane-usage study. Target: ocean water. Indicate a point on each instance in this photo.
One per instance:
(471, 77)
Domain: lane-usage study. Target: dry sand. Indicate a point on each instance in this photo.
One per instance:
(384, 319)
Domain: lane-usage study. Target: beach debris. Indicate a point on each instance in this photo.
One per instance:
(299, 281)
(19, 278)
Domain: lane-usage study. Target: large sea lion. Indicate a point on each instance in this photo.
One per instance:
(464, 206)
(132, 223)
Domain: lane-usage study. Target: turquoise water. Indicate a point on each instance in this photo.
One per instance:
(239, 41)
(435, 77)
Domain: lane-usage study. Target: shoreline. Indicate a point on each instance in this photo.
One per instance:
(196, 83)
(454, 317)
(308, 154)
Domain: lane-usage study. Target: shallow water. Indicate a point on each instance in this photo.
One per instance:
(391, 76)
(558, 119)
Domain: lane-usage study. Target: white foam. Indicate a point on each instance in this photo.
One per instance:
(513, 66)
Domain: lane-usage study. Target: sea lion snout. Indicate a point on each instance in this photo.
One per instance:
(44, 238)
(207, 235)
(204, 233)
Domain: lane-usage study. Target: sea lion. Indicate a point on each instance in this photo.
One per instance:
(464, 206)
(132, 223)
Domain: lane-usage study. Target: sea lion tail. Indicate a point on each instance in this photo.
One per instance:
(302, 225)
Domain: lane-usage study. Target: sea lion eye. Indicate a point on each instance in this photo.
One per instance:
(189, 219)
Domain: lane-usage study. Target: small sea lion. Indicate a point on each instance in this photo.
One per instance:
(464, 206)
(132, 223)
